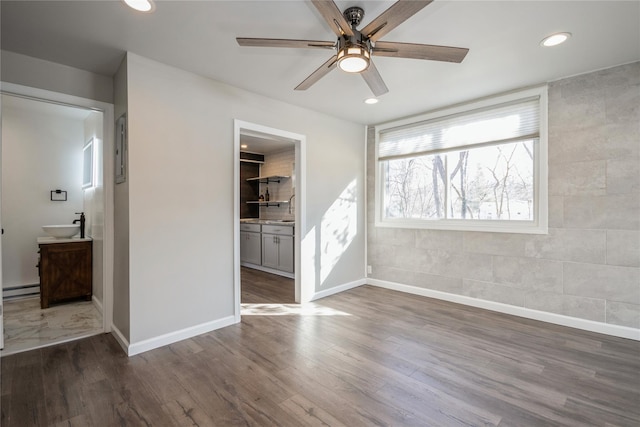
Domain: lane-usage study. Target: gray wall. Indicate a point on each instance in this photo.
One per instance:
(587, 267)
(173, 220)
(121, 306)
(181, 183)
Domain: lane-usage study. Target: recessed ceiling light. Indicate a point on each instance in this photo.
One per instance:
(371, 101)
(555, 39)
(243, 146)
(141, 5)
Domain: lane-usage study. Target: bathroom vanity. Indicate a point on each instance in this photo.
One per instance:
(65, 269)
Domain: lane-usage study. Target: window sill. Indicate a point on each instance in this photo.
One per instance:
(525, 227)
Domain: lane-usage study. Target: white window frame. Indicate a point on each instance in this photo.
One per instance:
(540, 223)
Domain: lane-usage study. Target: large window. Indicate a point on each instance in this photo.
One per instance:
(477, 167)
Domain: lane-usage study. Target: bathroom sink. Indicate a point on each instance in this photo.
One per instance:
(62, 231)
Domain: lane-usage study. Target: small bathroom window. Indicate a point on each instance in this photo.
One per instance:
(87, 165)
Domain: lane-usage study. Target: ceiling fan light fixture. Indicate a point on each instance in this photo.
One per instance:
(555, 39)
(140, 5)
(353, 58)
(354, 49)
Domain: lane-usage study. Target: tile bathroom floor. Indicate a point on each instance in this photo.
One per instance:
(27, 327)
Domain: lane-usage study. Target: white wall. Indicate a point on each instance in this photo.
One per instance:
(38, 73)
(41, 152)
(181, 195)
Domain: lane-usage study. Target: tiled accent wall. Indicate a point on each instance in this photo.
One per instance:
(588, 265)
(280, 163)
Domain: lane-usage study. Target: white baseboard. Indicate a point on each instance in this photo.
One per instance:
(338, 289)
(558, 319)
(183, 334)
(97, 303)
(124, 343)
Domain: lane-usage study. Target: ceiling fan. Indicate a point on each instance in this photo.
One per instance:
(354, 48)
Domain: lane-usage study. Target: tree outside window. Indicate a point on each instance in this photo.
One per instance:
(466, 167)
(486, 183)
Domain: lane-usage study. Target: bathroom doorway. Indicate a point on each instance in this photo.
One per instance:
(269, 213)
(53, 167)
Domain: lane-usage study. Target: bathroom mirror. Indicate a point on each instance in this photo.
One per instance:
(87, 165)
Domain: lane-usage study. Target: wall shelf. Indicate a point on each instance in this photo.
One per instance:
(268, 179)
(269, 203)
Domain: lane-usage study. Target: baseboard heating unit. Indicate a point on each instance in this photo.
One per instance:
(14, 292)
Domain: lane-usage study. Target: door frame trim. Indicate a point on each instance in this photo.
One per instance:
(107, 110)
(303, 292)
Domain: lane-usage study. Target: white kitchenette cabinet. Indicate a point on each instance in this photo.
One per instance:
(250, 244)
(277, 247)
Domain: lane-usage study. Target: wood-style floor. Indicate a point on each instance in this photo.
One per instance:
(365, 357)
(259, 287)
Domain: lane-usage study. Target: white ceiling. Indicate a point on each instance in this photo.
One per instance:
(263, 143)
(199, 36)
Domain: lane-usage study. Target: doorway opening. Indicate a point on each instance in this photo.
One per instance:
(269, 217)
(54, 167)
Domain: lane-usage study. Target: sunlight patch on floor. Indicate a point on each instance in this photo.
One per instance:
(289, 310)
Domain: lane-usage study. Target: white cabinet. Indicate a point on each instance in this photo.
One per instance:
(250, 244)
(285, 253)
(250, 250)
(277, 247)
(268, 247)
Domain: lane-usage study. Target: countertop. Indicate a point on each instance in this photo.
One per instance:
(47, 240)
(288, 223)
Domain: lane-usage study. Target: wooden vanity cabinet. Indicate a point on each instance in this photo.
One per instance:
(65, 272)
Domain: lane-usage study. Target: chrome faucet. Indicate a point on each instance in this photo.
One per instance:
(291, 198)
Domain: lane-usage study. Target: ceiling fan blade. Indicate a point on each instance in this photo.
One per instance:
(318, 74)
(257, 42)
(333, 16)
(392, 17)
(374, 80)
(420, 51)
